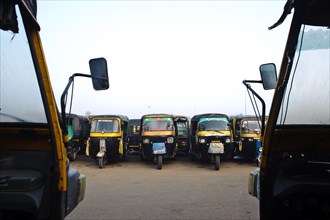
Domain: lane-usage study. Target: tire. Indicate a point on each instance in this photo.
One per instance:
(217, 162)
(73, 155)
(101, 162)
(159, 162)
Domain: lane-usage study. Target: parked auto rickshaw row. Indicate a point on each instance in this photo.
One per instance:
(206, 137)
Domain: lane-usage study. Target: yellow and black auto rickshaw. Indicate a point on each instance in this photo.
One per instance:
(133, 137)
(182, 137)
(293, 181)
(36, 180)
(157, 138)
(211, 137)
(247, 133)
(108, 137)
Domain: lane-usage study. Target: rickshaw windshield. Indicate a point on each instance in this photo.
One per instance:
(20, 97)
(158, 124)
(182, 128)
(307, 96)
(105, 125)
(213, 124)
(250, 127)
(134, 129)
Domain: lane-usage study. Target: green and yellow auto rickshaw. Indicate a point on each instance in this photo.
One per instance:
(182, 137)
(108, 137)
(75, 125)
(247, 133)
(36, 179)
(293, 181)
(211, 138)
(157, 138)
(133, 137)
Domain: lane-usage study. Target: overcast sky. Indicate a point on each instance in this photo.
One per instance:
(177, 57)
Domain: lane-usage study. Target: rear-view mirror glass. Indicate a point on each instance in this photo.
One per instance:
(99, 72)
(268, 76)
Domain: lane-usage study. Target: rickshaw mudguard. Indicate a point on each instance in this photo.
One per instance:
(100, 154)
(121, 147)
(76, 189)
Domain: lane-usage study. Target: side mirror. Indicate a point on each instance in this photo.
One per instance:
(268, 75)
(99, 72)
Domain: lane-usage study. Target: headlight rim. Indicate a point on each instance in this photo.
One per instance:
(170, 140)
(202, 140)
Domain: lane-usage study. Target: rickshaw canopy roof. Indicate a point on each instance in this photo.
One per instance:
(122, 117)
(196, 118)
(8, 18)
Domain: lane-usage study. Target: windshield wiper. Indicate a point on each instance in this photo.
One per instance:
(220, 132)
(287, 10)
(13, 116)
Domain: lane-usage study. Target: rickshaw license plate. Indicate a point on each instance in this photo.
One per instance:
(216, 148)
(158, 148)
(102, 144)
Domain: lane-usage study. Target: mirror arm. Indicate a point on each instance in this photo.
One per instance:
(251, 81)
(263, 116)
(63, 104)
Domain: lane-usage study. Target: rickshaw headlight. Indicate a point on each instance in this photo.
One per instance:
(170, 140)
(260, 149)
(202, 140)
(228, 140)
(146, 141)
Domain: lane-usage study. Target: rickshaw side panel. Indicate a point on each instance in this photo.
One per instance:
(34, 196)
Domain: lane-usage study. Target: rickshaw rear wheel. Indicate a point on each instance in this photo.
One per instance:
(101, 162)
(73, 155)
(159, 162)
(216, 162)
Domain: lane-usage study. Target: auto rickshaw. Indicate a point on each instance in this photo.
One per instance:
(36, 179)
(157, 138)
(246, 133)
(86, 128)
(211, 137)
(293, 181)
(182, 137)
(108, 137)
(133, 137)
(75, 125)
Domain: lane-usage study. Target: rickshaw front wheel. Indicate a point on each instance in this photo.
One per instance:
(101, 162)
(217, 162)
(159, 162)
